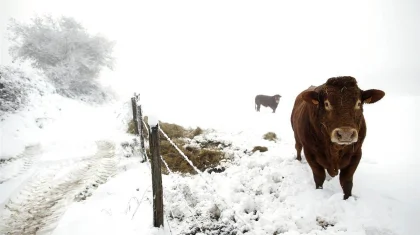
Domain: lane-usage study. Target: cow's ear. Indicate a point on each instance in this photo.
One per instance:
(371, 96)
(310, 97)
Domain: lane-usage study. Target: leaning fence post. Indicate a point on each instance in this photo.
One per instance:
(156, 173)
(134, 107)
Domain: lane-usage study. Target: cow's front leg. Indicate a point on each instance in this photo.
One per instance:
(317, 170)
(346, 175)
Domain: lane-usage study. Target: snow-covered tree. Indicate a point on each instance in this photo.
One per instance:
(69, 56)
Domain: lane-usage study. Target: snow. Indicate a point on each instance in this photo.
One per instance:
(67, 167)
(266, 192)
(153, 120)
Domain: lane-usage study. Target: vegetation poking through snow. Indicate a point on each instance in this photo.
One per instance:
(131, 128)
(260, 148)
(204, 154)
(15, 89)
(271, 136)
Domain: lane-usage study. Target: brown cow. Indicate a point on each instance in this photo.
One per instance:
(267, 101)
(329, 125)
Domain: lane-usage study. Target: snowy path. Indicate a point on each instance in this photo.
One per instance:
(42, 200)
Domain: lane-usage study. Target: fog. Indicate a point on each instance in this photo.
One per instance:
(194, 56)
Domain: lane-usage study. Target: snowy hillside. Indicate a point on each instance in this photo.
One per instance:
(270, 192)
(66, 173)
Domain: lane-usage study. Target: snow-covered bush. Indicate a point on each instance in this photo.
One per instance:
(69, 56)
(15, 87)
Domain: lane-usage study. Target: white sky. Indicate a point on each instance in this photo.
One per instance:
(209, 51)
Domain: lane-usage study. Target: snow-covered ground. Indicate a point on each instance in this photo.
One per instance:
(62, 149)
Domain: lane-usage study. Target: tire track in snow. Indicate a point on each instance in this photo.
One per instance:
(43, 200)
(19, 165)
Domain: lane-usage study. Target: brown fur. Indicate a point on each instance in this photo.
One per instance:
(267, 101)
(316, 113)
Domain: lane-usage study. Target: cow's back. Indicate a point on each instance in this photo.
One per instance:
(263, 99)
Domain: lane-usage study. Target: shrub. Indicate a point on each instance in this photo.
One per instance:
(15, 87)
(69, 56)
(271, 136)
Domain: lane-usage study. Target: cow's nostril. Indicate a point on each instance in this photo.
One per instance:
(338, 135)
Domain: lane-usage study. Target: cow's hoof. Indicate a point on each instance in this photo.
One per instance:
(345, 197)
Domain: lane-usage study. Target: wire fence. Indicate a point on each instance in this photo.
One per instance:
(141, 125)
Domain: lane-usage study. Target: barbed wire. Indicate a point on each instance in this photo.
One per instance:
(144, 124)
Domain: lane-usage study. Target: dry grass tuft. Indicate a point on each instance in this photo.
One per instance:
(131, 127)
(173, 130)
(260, 148)
(197, 131)
(203, 158)
(271, 136)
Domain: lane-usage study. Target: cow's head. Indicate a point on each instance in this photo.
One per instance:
(277, 98)
(340, 107)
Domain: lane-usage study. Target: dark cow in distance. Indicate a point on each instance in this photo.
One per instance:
(329, 125)
(267, 101)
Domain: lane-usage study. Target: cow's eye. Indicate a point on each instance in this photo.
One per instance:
(327, 105)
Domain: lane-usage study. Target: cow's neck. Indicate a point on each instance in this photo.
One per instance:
(336, 152)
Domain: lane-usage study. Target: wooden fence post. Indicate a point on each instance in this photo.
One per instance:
(156, 176)
(134, 107)
(141, 130)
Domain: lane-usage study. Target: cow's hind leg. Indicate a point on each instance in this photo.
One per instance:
(298, 147)
(258, 107)
(317, 170)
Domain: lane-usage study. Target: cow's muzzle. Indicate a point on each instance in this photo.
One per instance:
(344, 135)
